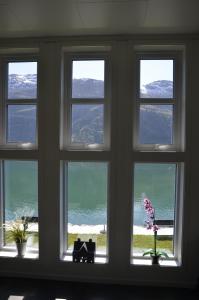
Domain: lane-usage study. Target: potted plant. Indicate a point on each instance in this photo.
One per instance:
(151, 224)
(17, 232)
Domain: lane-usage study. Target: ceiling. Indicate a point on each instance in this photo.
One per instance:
(28, 18)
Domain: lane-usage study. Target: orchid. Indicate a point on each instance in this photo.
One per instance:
(151, 224)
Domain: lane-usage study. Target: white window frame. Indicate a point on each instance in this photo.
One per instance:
(3, 247)
(64, 209)
(5, 102)
(66, 141)
(178, 216)
(160, 153)
(177, 101)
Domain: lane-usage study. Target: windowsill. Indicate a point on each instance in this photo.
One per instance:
(148, 262)
(11, 253)
(19, 146)
(98, 260)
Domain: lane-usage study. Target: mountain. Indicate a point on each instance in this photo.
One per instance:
(158, 89)
(87, 119)
(22, 86)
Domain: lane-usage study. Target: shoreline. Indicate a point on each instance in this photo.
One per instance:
(101, 229)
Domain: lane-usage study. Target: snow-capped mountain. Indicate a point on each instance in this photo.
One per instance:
(87, 120)
(158, 89)
(22, 86)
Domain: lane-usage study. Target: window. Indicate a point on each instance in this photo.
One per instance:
(86, 129)
(86, 105)
(20, 197)
(19, 116)
(156, 182)
(18, 133)
(86, 193)
(158, 127)
(158, 103)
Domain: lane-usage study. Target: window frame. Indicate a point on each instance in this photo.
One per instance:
(69, 101)
(152, 153)
(5, 101)
(178, 208)
(176, 101)
(3, 246)
(64, 208)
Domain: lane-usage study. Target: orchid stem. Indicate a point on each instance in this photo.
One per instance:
(155, 242)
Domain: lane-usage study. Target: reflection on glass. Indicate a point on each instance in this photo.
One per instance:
(21, 194)
(88, 124)
(155, 181)
(156, 78)
(87, 203)
(156, 124)
(88, 79)
(22, 80)
(21, 124)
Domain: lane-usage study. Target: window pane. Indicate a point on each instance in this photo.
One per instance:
(88, 124)
(87, 203)
(156, 124)
(88, 79)
(156, 78)
(22, 80)
(21, 195)
(155, 181)
(21, 125)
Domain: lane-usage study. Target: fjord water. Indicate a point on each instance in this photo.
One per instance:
(87, 190)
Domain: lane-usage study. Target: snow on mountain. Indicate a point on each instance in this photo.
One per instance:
(22, 86)
(87, 120)
(158, 89)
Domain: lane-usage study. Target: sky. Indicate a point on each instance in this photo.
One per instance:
(22, 68)
(88, 69)
(153, 70)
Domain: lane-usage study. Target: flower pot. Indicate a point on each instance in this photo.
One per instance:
(21, 249)
(155, 259)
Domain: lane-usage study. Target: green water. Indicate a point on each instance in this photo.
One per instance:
(87, 190)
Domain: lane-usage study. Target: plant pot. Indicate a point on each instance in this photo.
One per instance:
(21, 249)
(155, 259)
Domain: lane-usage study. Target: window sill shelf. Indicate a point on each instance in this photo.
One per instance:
(147, 262)
(13, 254)
(98, 260)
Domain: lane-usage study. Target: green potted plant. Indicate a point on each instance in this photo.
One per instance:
(17, 232)
(151, 224)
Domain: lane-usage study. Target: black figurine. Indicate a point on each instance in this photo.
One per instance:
(84, 251)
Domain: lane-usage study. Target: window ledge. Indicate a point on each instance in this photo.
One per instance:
(21, 146)
(13, 254)
(148, 262)
(98, 260)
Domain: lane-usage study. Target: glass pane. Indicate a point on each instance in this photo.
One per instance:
(156, 124)
(156, 182)
(87, 203)
(22, 80)
(88, 79)
(156, 78)
(88, 124)
(21, 125)
(21, 196)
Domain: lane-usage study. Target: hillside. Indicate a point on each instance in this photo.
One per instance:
(87, 120)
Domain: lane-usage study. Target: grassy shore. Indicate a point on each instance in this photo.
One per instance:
(138, 241)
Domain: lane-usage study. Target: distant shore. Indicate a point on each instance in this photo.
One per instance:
(97, 229)
(101, 229)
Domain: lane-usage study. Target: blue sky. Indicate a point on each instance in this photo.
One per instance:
(22, 68)
(151, 70)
